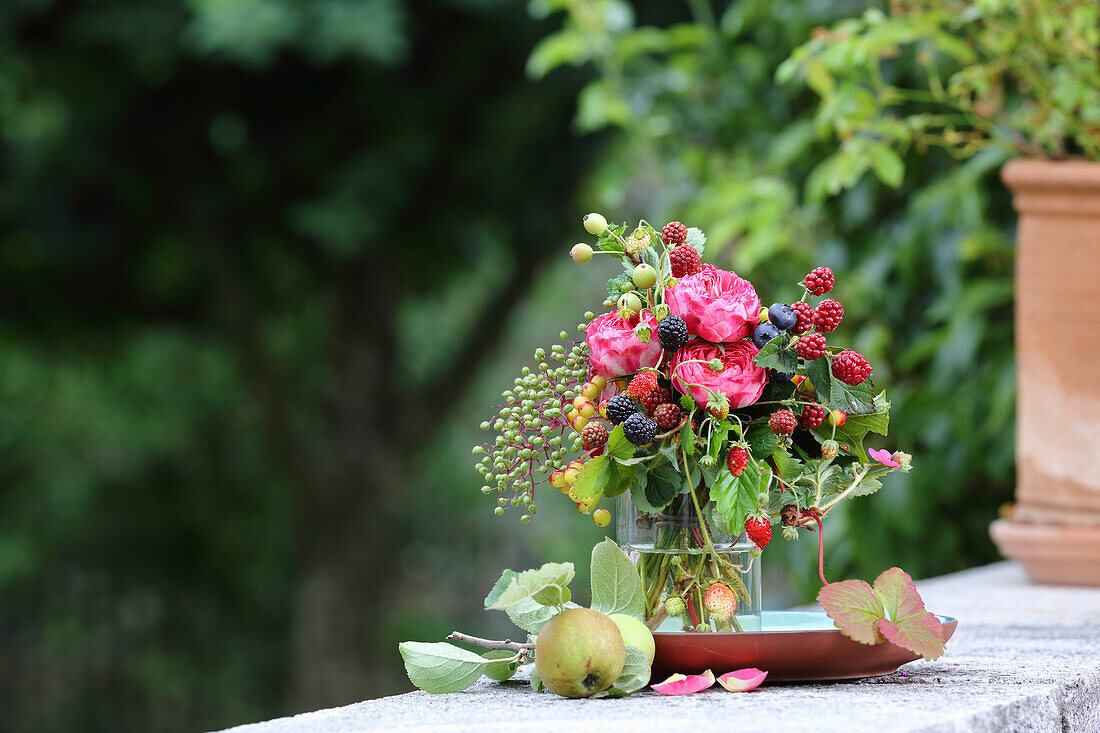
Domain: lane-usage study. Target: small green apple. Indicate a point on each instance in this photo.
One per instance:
(635, 633)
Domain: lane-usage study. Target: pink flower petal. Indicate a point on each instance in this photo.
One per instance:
(685, 684)
(742, 680)
(884, 457)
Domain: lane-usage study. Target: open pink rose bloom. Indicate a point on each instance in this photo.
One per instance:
(740, 379)
(615, 349)
(716, 305)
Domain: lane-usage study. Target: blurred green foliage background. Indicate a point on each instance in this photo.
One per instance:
(265, 264)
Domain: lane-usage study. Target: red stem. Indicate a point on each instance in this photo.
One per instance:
(821, 552)
(691, 611)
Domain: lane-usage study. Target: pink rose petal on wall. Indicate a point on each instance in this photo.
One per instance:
(742, 680)
(884, 457)
(685, 684)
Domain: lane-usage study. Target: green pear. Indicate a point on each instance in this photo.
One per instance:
(635, 634)
(579, 652)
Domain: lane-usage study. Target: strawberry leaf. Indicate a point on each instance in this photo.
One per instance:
(855, 608)
(910, 625)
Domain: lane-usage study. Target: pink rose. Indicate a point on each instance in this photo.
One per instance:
(740, 379)
(715, 304)
(615, 350)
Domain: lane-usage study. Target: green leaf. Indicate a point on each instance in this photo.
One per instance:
(536, 681)
(789, 467)
(776, 355)
(440, 667)
(591, 479)
(853, 432)
(564, 47)
(618, 446)
(531, 615)
(854, 608)
(635, 674)
(736, 496)
(887, 165)
(687, 438)
(547, 586)
(621, 478)
(718, 438)
(696, 239)
(616, 586)
(502, 664)
(762, 441)
(910, 625)
(506, 579)
(687, 402)
(660, 486)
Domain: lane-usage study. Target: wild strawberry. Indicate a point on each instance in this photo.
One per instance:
(819, 281)
(667, 416)
(684, 261)
(830, 449)
(828, 315)
(805, 313)
(737, 460)
(658, 396)
(759, 531)
(782, 422)
(851, 368)
(642, 385)
(812, 416)
(811, 346)
(720, 601)
(674, 605)
(674, 233)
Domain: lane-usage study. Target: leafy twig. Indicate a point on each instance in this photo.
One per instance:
(507, 644)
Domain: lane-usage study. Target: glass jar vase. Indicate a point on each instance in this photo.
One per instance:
(677, 555)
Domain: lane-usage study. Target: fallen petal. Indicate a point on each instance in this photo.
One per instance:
(742, 680)
(685, 684)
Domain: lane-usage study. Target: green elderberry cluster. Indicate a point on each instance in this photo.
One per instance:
(533, 435)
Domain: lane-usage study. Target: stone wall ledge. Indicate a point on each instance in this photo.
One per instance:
(1025, 657)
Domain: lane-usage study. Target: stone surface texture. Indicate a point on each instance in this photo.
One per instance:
(1025, 657)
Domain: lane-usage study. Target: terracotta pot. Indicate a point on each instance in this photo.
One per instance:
(1054, 528)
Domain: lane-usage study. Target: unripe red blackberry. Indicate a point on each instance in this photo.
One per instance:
(812, 416)
(810, 346)
(684, 261)
(667, 416)
(819, 281)
(659, 396)
(782, 422)
(851, 367)
(674, 233)
(828, 315)
(805, 313)
(737, 460)
(593, 436)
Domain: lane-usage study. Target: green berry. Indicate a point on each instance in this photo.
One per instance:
(595, 223)
(581, 253)
(644, 276)
(630, 302)
(674, 605)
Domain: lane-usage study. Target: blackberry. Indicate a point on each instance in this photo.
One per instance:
(812, 416)
(674, 233)
(593, 436)
(639, 429)
(811, 346)
(828, 315)
(782, 422)
(851, 367)
(673, 333)
(805, 313)
(819, 281)
(620, 407)
(684, 260)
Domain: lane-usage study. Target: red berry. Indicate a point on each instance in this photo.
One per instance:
(674, 233)
(782, 422)
(667, 416)
(642, 385)
(684, 261)
(805, 313)
(812, 416)
(659, 396)
(593, 435)
(819, 281)
(811, 346)
(737, 460)
(759, 531)
(851, 368)
(828, 315)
